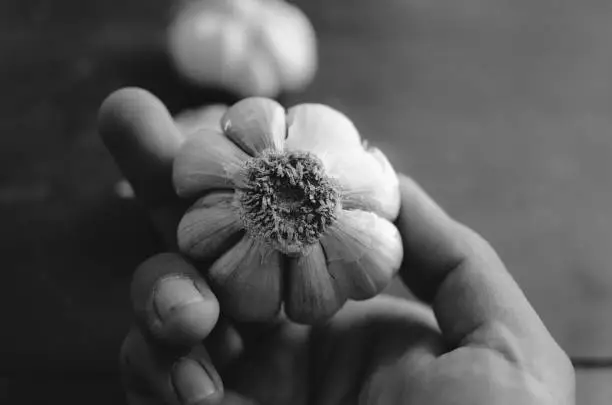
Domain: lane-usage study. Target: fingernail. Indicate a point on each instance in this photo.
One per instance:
(192, 383)
(173, 294)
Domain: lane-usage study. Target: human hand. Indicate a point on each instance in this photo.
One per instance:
(478, 341)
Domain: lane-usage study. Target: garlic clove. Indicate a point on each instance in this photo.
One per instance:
(209, 227)
(364, 252)
(368, 182)
(247, 281)
(208, 160)
(322, 130)
(296, 65)
(209, 117)
(255, 124)
(311, 294)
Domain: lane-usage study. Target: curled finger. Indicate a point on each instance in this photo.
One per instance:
(153, 376)
(172, 302)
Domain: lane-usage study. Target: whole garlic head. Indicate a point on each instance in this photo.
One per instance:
(291, 207)
(250, 47)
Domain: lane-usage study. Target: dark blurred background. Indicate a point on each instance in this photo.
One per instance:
(500, 108)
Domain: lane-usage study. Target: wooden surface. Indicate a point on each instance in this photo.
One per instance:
(501, 109)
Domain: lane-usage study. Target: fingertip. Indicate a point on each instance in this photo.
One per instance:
(143, 375)
(153, 375)
(188, 311)
(134, 114)
(172, 301)
(141, 135)
(196, 381)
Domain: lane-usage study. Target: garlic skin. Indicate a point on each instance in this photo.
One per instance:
(293, 211)
(190, 121)
(250, 47)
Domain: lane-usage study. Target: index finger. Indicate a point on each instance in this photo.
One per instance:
(141, 135)
(474, 297)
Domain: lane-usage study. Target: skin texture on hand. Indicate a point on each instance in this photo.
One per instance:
(475, 339)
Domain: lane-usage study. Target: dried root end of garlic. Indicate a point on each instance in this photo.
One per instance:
(250, 47)
(292, 211)
(287, 200)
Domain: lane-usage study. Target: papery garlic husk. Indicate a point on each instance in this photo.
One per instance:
(209, 227)
(247, 280)
(312, 294)
(250, 47)
(292, 208)
(191, 121)
(206, 161)
(365, 174)
(368, 180)
(364, 251)
(322, 130)
(255, 124)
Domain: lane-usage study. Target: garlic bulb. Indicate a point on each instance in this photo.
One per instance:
(251, 47)
(291, 210)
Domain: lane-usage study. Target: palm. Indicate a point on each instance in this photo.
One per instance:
(274, 369)
(335, 363)
(384, 351)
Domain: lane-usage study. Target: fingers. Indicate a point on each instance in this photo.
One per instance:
(172, 302)
(143, 138)
(141, 135)
(475, 299)
(151, 377)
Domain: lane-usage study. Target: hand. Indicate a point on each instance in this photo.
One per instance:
(476, 342)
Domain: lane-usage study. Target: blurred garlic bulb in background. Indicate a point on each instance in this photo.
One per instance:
(291, 209)
(249, 47)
